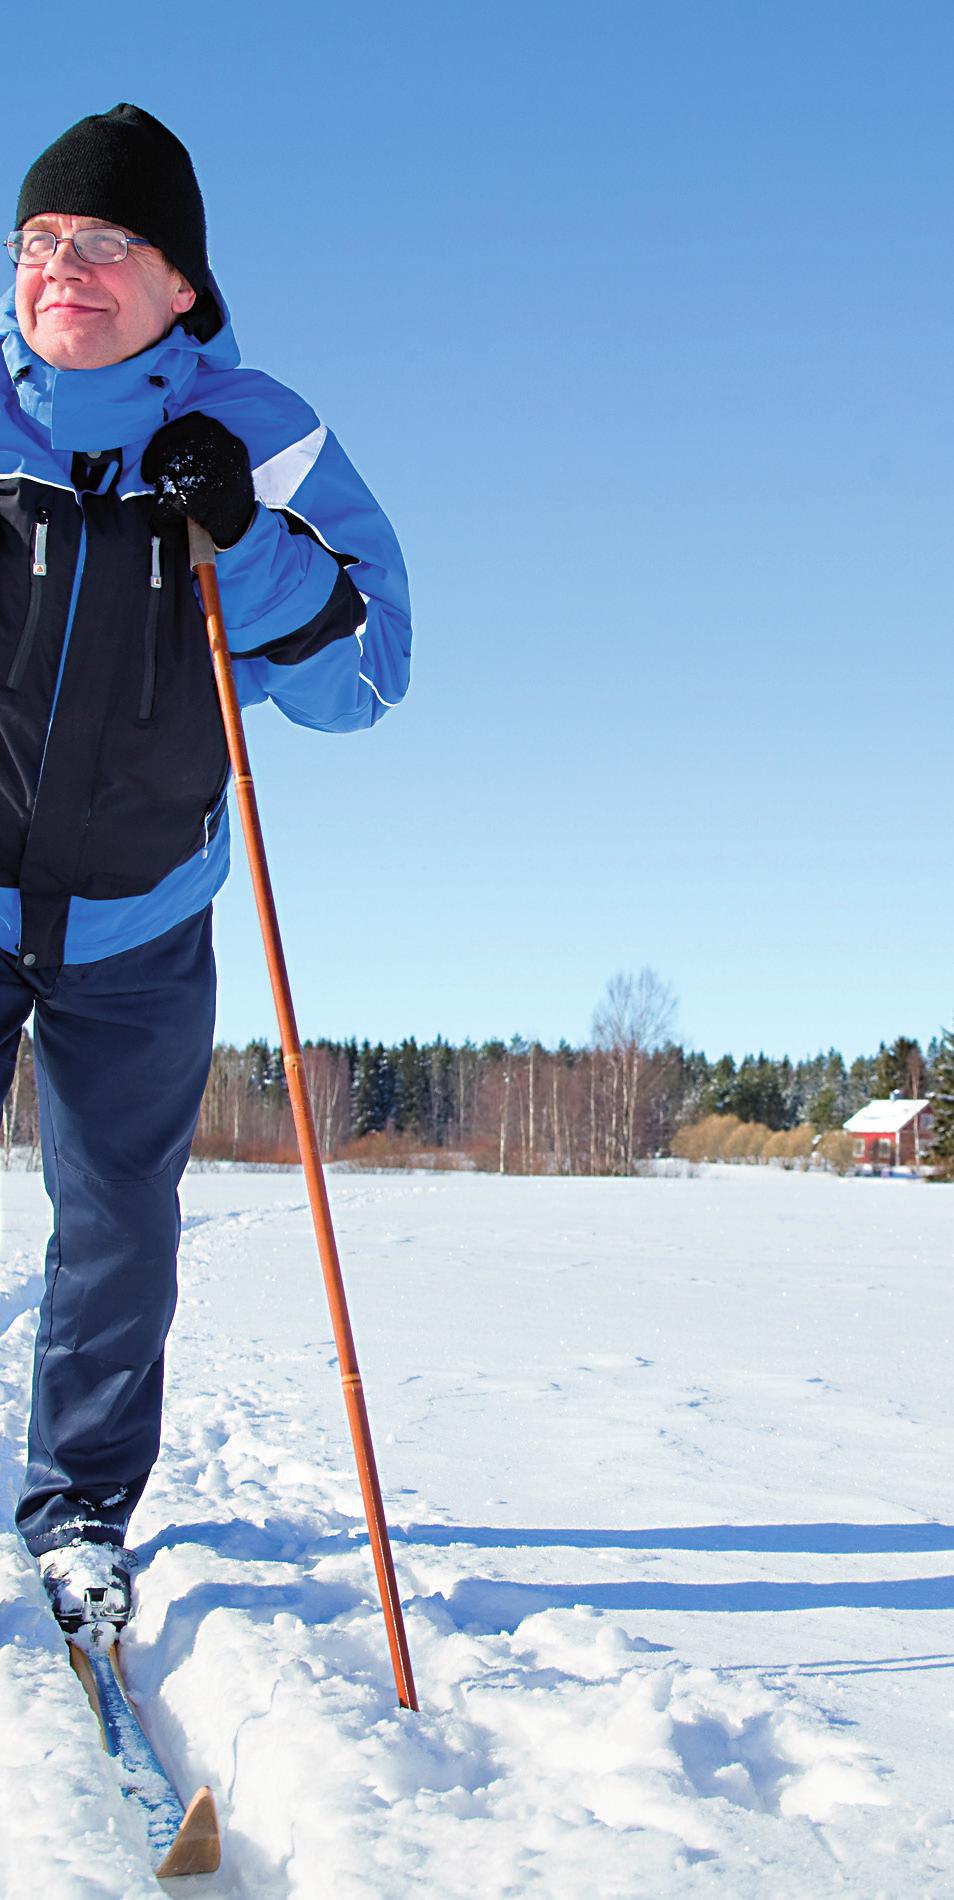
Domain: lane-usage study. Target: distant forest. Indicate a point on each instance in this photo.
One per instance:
(517, 1107)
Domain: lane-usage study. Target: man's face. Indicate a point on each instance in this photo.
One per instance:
(83, 316)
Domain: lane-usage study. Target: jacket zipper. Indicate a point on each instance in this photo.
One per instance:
(37, 576)
(148, 695)
(212, 813)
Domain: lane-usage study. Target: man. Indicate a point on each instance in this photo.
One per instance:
(122, 410)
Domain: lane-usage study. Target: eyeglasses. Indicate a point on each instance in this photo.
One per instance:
(98, 245)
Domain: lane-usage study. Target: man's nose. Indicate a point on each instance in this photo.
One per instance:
(65, 262)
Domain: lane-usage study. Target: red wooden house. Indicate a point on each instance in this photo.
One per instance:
(892, 1134)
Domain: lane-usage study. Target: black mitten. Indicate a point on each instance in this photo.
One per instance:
(199, 468)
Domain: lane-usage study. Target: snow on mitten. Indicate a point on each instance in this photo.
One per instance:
(199, 468)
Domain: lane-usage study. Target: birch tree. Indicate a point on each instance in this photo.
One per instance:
(632, 1021)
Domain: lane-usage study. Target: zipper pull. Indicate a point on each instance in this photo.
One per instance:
(155, 576)
(205, 850)
(39, 542)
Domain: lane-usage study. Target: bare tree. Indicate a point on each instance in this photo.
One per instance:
(326, 1073)
(632, 1021)
(10, 1108)
(504, 1106)
(21, 1126)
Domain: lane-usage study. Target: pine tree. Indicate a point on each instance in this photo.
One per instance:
(386, 1090)
(942, 1103)
(827, 1106)
(823, 1109)
(365, 1092)
(716, 1096)
(440, 1060)
(412, 1095)
(792, 1097)
(909, 1066)
(756, 1094)
(900, 1069)
(861, 1084)
(258, 1066)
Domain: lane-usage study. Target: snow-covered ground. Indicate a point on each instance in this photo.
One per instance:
(668, 1465)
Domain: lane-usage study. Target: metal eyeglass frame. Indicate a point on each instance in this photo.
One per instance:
(14, 246)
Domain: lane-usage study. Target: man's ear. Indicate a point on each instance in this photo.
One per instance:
(183, 298)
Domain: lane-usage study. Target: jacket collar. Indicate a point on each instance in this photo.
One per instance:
(124, 403)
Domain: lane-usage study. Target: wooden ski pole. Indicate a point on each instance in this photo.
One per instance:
(202, 558)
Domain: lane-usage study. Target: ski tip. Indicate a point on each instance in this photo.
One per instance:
(196, 1848)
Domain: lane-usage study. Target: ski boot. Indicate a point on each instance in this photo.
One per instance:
(88, 1587)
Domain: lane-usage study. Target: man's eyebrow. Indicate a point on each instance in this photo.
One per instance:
(42, 219)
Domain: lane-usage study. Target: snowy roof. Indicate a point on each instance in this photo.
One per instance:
(884, 1118)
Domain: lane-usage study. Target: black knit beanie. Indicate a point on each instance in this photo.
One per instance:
(126, 167)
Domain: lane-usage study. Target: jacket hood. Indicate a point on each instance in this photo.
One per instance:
(124, 403)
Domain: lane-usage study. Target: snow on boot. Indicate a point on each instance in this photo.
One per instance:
(88, 1587)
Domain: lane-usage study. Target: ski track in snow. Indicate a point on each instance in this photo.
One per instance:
(739, 1685)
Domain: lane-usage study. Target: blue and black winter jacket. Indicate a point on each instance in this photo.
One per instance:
(113, 767)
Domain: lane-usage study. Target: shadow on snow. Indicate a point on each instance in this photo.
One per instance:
(482, 1605)
(491, 1606)
(834, 1539)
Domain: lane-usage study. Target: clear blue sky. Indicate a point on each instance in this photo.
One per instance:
(639, 320)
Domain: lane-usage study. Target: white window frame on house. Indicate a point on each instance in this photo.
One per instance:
(859, 1147)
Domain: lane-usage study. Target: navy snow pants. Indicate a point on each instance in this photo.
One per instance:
(122, 1050)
